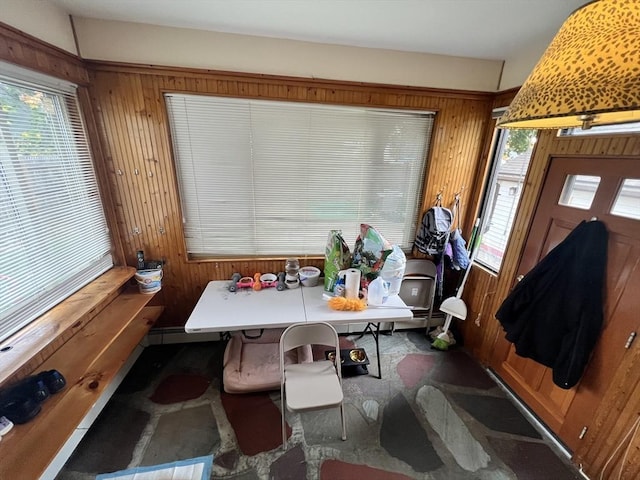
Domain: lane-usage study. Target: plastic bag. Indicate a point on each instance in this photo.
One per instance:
(370, 252)
(337, 256)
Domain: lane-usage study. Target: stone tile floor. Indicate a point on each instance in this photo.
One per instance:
(433, 415)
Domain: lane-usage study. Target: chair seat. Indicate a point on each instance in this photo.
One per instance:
(310, 386)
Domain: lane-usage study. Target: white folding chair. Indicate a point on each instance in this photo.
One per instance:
(310, 386)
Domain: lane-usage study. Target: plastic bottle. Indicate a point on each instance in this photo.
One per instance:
(377, 292)
(393, 270)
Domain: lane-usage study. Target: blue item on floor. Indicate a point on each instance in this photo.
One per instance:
(192, 469)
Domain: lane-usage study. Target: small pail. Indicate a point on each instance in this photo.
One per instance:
(150, 280)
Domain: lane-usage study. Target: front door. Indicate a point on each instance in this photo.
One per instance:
(577, 189)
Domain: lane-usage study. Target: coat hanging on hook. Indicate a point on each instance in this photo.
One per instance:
(554, 314)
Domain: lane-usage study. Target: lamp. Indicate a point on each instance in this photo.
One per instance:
(589, 75)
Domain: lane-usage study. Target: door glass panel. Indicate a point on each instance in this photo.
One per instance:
(627, 202)
(579, 191)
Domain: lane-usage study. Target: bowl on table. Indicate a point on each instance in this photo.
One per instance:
(309, 276)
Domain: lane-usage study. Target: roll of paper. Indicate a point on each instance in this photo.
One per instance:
(352, 283)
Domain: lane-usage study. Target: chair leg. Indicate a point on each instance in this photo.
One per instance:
(344, 424)
(284, 423)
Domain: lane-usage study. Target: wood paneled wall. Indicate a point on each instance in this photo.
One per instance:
(19, 48)
(129, 108)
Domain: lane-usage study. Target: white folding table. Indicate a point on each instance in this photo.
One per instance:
(219, 310)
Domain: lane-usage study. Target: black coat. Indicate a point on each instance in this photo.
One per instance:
(554, 314)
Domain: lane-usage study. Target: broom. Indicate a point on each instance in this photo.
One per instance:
(453, 307)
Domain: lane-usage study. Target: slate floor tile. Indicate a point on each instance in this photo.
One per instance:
(496, 413)
(290, 466)
(195, 427)
(255, 420)
(457, 368)
(403, 437)
(109, 444)
(532, 460)
(337, 470)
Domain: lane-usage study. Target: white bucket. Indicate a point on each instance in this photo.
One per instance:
(149, 281)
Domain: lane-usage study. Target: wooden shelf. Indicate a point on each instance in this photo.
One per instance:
(89, 361)
(25, 351)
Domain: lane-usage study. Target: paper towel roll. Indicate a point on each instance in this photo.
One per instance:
(352, 283)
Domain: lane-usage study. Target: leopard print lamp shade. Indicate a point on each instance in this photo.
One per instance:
(589, 75)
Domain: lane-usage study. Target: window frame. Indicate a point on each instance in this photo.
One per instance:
(68, 187)
(490, 194)
(410, 221)
(614, 129)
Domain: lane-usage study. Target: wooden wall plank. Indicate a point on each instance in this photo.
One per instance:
(30, 52)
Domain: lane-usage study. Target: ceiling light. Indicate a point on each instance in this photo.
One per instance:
(589, 74)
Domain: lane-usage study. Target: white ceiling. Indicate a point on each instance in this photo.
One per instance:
(488, 29)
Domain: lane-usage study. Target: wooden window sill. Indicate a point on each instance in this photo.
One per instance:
(26, 350)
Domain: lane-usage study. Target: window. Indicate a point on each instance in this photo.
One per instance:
(53, 233)
(579, 191)
(511, 154)
(627, 203)
(601, 130)
(269, 178)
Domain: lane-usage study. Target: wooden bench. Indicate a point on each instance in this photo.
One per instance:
(92, 338)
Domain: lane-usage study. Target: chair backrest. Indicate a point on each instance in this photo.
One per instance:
(298, 334)
(418, 286)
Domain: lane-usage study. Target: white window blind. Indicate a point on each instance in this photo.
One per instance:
(53, 233)
(269, 178)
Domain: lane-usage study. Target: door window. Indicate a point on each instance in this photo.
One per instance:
(627, 202)
(579, 191)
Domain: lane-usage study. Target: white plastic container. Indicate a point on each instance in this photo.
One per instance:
(149, 280)
(377, 292)
(309, 276)
(393, 270)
